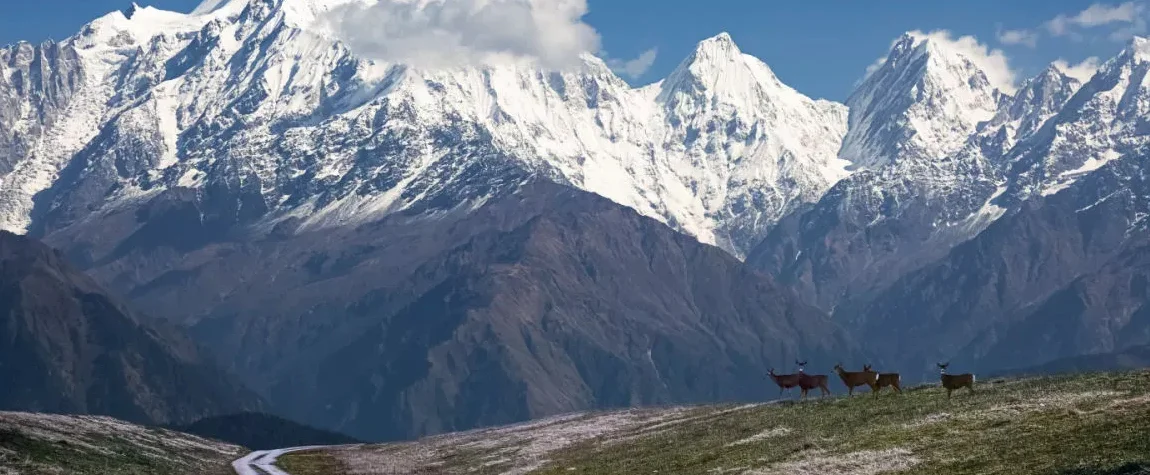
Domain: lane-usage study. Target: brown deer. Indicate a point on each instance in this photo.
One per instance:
(955, 381)
(886, 379)
(854, 379)
(785, 381)
(811, 381)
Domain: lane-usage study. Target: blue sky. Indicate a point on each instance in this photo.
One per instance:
(820, 47)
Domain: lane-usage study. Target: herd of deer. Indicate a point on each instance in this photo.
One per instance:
(867, 377)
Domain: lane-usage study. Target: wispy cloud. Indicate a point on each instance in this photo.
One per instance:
(1095, 15)
(454, 33)
(1018, 37)
(1082, 71)
(1117, 22)
(633, 68)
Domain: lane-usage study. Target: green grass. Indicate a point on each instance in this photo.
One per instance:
(1093, 424)
(1075, 424)
(311, 463)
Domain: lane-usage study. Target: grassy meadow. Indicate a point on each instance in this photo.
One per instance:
(1090, 424)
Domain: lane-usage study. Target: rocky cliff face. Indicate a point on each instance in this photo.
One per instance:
(69, 347)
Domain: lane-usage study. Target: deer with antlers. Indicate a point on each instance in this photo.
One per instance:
(886, 379)
(953, 382)
(808, 382)
(854, 379)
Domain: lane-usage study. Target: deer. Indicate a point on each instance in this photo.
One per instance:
(854, 379)
(811, 381)
(886, 379)
(785, 381)
(953, 382)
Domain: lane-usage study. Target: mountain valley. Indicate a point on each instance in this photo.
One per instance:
(393, 251)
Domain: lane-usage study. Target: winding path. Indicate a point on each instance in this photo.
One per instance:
(262, 462)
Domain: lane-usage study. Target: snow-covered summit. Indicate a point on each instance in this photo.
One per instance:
(243, 96)
(922, 103)
(1103, 121)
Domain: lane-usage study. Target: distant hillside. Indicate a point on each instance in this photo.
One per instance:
(1094, 424)
(66, 346)
(50, 444)
(1130, 358)
(263, 432)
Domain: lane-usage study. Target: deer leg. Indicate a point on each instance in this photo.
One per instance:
(896, 388)
(850, 391)
(948, 390)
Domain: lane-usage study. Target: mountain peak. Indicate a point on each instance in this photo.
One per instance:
(1140, 45)
(718, 47)
(921, 103)
(717, 68)
(723, 38)
(1137, 50)
(131, 10)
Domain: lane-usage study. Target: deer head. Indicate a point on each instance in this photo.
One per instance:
(942, 366)
(866, 367)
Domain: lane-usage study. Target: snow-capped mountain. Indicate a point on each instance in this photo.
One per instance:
(256, 98)
(1105, 120)
(921, 104)
(929, 135)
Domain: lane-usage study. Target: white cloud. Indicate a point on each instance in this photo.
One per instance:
(875, 65)
(1018, 37)
(1094, 15)
(1137, 27)
(993, 62)
(1082, 71)
(1129, 14)
(1117, 22)
(451, 33)
(635, 67)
